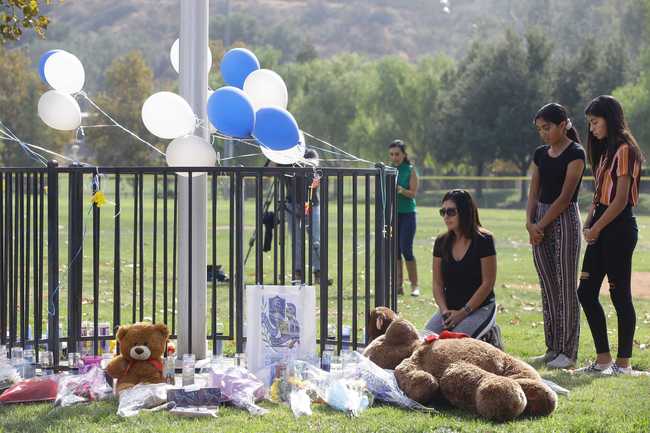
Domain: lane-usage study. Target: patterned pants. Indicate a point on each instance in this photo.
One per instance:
(556, 260)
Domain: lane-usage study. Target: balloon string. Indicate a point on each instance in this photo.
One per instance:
(241, 156)
(55, 154)
(340, 150)
(85, 95)
(8, 133)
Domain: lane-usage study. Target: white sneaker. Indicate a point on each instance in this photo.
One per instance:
(626, 371)
(415, 291)
(621, 371)
(548, 356)
(561, 361)
(595, 368)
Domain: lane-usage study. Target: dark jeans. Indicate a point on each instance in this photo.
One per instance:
(406, 225)
(611, 255)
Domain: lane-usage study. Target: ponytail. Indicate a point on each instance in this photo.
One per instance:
(572, 133)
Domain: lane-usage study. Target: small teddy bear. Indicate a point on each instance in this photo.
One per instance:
(142, 346)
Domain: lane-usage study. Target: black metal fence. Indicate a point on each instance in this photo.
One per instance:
(115, 262)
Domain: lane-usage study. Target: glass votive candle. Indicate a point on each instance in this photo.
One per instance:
(189, 363)
(74, 362)
(47, 362)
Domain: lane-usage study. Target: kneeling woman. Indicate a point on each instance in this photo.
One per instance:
(464, 270)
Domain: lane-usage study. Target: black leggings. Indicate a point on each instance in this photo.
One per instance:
(611, 255)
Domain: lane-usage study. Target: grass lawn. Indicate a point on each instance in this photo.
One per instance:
(595, 405)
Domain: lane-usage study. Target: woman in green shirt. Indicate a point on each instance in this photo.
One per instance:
(407, 186)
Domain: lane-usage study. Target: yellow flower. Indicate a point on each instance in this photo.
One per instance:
(99, 198)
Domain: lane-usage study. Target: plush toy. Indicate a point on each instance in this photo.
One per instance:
(379, 321)
(399, 342)
(468, 373)
(142, 346)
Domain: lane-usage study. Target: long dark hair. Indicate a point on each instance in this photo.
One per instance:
(401, 146)
(556, 113)
(618, 132)
(469, 222)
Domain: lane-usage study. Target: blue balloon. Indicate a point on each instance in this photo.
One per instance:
(236, 65)
(276, 129)
(41, 64)
(231, 112)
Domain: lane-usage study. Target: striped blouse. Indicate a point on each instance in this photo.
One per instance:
(607, 178)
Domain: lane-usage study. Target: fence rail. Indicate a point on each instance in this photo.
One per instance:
(120, 262)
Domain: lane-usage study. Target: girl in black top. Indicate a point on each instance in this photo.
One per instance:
(464, 270)
(553, 224)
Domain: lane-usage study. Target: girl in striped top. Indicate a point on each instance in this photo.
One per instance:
(610, 231)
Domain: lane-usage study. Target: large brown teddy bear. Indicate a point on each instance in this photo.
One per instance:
(398, 343)
(468, 373)
(142, 346)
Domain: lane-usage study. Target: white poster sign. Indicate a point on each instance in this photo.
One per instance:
(280, 325)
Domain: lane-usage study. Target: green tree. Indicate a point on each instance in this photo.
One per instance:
(129, 83)
(635, 97)
(597, 69)
(518, 138)
(20, 89)
(326, 95)
(16, 16)
(495, 93)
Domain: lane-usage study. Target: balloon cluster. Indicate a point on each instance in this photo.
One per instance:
(253, 103)
(64, 73)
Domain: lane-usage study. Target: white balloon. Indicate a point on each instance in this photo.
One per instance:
(266, 88)
(190, 151)
(59, 110)
(64, 72)
(288, 156)
(174, 56)
(167, 115)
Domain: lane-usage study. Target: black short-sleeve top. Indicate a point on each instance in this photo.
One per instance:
(552, 170)
(462, 278)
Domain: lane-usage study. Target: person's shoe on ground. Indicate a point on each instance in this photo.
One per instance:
(595, 368)
(561, 361)
(547, 357)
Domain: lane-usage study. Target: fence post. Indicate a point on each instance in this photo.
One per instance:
(391, 240)
(53, 259)
(75, 256)
(380, 236)
(239, 263)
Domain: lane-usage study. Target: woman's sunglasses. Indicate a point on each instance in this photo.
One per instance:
(449, 211)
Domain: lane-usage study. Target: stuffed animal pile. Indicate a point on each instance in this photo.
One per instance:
(468, 373)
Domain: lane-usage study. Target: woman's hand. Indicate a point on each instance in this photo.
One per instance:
(535, 233)
(454, 317)
(591, 235)
(400, 190)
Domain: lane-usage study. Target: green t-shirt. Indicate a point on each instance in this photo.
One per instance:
(405, 204)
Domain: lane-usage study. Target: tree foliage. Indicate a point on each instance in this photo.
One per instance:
(20, 89)
(18, 16)
(635, 96)
(131, 83)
